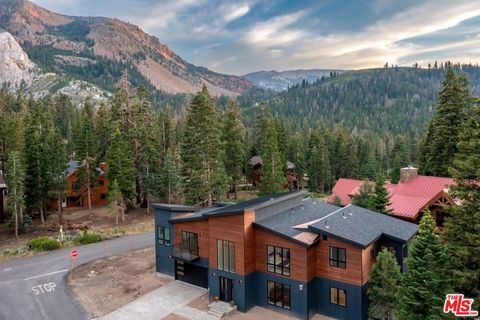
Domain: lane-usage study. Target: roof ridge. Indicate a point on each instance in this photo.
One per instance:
(300, 226)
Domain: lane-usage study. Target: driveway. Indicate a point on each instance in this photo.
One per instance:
(170, 298)
(36, 288)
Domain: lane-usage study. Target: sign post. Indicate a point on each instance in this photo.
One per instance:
(73, 255)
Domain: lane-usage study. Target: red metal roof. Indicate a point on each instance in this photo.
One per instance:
(406, 199)
(342, 189)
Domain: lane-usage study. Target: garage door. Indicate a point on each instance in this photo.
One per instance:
(191, 273)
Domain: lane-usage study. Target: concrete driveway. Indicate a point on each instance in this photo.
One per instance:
(170, 298)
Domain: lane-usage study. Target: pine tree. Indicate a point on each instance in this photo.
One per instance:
(462, 227)
(85, 153)
(34, 175)
(365, 197)
(115, 200)
(233, 140)
(423, 288)
(318, 166)
(399, 158)
(260, 126)
(381, 198)
(442, 140)
(273, 168)
(202, 167)
(384, 284)
(57, 161)
(15, 178)
(169, 178)
(121, 168)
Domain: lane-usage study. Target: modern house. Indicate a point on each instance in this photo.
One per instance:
(280, 251)
(3, 186)
(409, 198)
(76, 196)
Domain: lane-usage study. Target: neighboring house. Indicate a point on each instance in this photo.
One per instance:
(409, 198)
(256, 173)
(75, 196)
(280, 251)
(3, 186)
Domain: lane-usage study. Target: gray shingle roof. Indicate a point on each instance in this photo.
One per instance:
(309, 210)
(362, 227)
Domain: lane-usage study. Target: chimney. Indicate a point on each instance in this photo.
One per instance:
(408, 173)
(103, 166)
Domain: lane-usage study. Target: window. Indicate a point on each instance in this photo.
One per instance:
(405, 251)
(75, 186)
(338, 257)
(190, 242)
(101, 182)
(226, 255)
(338, 296)
(278, 260)
(164, 236)
(324, 237)
(103, 196)
(278, 294)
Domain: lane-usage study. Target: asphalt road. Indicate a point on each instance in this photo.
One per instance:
(36, 287)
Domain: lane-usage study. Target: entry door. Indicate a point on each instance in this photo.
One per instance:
(226, 289)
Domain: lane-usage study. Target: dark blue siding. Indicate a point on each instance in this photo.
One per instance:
(165, 264)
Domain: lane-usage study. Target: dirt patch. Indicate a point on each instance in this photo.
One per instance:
(201, 303)
(100, 220)
(107, 284)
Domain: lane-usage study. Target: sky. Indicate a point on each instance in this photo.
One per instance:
(242, 36)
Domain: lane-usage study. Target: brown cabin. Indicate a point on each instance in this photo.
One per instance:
(256, 173)
(75, 197)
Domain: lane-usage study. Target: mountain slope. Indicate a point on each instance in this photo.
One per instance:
(18, 72)
(97, 49)
(394, 100)
(282, 80)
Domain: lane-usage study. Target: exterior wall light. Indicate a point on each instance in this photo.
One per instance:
(300, 287)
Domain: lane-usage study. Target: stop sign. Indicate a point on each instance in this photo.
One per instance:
(74, 253)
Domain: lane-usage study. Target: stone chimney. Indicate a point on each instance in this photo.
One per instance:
(408, 173)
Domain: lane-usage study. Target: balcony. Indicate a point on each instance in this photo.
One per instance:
(180, 252)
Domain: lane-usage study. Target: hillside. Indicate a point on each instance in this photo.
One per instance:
(395, 100)
(282, 80)
(98, 49)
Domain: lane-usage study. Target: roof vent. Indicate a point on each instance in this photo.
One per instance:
(313, 202)
(293, 210)
(349, 212)
(326, 224)
(302, 206)
(344, 216)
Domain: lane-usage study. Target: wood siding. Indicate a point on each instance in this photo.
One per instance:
(229, 228)
(367, 262)
(298, 254)
(198, 227)
(352, 274)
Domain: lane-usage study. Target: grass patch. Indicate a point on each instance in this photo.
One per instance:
(43, 244)
(87, 238)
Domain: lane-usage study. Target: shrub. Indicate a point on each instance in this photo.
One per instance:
(43, 244)
(87, 238)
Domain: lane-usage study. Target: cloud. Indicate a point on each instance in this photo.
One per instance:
(284, 34)
(274, 32)
(238, 12)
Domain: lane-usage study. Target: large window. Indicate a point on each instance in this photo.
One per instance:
(279, 294)
(164, 236)
(338, 296)
(278, 260)
(338, 257)
(226, 255)
(190, 242)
